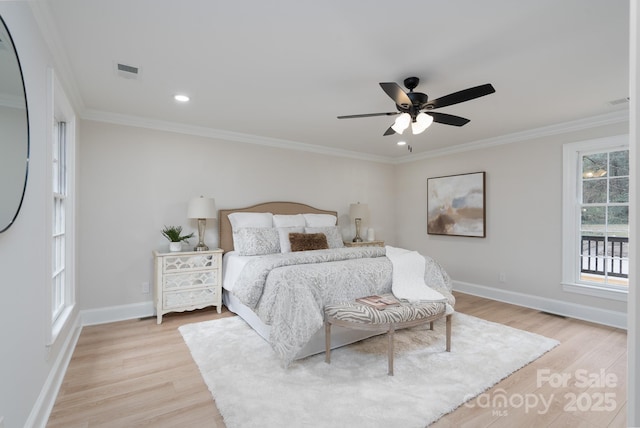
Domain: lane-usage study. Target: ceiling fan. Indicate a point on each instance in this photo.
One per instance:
(415, 109)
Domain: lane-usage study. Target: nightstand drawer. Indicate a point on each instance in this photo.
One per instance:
(183, 280)
(181, 263)
(178, 299)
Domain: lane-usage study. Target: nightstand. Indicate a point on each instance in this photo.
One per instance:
(365, 244)
(187, 280)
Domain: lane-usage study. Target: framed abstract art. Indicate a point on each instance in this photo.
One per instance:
(456, 205)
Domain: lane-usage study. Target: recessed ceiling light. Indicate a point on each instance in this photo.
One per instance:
(181, 98)
(401, 143)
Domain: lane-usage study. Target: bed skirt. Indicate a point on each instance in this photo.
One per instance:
(340, 336)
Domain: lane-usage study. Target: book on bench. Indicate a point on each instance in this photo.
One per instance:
(379, 302)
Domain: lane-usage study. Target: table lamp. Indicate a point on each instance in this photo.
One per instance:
(201, 208)
(359, 213)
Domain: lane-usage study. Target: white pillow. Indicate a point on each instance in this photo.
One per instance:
(296, 220)
(283, 232)
(320, 220)
(240, 220)
(334, 237)
(255, 241)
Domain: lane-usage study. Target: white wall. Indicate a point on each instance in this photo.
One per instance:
(132, 181)
(27, 365)
(524, 219)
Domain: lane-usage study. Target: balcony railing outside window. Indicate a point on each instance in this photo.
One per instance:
(605, 256)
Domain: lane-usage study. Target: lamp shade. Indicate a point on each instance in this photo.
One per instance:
(201, 208)
(360, 211)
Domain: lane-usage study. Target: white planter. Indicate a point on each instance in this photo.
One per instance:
(175, 246)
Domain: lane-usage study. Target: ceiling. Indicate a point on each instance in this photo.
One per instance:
(281, 71)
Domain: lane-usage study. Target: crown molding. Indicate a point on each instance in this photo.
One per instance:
(12, 101)
(517, 137)
(180, 128)
(201, 131)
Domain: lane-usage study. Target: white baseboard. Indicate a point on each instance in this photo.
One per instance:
(573, 310)
(117, 313)
(41, 410)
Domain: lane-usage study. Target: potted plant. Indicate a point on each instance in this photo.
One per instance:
(175, 237)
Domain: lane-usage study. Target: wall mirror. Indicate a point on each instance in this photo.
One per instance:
(14, 131)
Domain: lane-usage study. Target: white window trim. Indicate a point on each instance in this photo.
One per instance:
(59, 109)
(570, 217)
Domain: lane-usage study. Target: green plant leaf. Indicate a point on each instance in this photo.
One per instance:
(174, 234)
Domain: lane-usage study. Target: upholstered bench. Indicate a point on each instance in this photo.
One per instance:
(363, 317)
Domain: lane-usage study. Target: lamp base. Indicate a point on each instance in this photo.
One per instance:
(201, 225)
(358, 238)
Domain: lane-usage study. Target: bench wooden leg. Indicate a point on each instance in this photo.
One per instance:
(448, 328)
(431, 325)
(327, 342)
(390, 334)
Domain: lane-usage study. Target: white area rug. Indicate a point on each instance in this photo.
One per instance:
(251, 389)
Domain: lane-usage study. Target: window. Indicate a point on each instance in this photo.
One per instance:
(59, 295)
(596, 217)
(61, 288)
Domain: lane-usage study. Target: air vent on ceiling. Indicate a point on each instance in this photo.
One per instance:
(127, 71)
(619, 101)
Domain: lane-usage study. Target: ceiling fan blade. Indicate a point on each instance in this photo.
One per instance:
(369, 115)
(389, 131)
(396, 93)
(460, 96)
(448, 119)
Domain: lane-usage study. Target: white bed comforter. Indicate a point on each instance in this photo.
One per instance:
(289, 291)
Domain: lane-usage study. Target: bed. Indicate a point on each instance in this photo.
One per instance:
(281, 293)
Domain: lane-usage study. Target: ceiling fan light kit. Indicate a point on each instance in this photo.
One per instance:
(418, 124)
(402, 122)
(415, 109)
(422, 122)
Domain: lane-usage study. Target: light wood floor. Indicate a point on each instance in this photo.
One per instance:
(136, 373)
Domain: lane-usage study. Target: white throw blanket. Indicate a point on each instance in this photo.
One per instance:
(408, 276)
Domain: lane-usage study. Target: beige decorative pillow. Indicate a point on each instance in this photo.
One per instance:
(308, 241)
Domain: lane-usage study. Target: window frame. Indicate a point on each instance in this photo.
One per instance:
(571, 216)
(59, 294)
(60, 110)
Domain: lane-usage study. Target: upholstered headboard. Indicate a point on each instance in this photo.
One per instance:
(226, 234)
